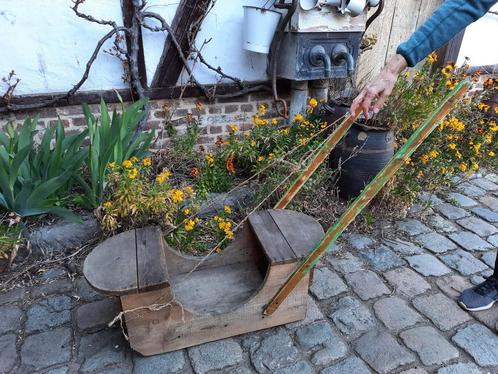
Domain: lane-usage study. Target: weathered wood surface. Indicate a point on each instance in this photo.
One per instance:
(369, 193)
(130, 262)
(395, 24)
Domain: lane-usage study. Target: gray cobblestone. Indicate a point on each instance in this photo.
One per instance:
(326, 284)
(480, 343)
(493, 177)
(427, 265)
(461, 200)
(451, 212)
(345, 262)
(485, 184)
(403, 247)
(328, 354)
(441, 224)
(489, 258)
(414, 371)
(395, 313)
(435, 242)
(430, 345)
(490, 201)
(313, 313)
(171, 362)
(471, 190)
(8, 354)
(50, 312)
(453, 285)
(352, 317)
(301, 367)
(85, 292)
(443, 312)
(319, 333)
(413, 227)
(215, 355)
(382, 352)
(493, 240)
(48, 348)
(54, 287)
(10, 318)
(470, 241)
(407, 282)
(382, 258)
(460, 368)
(275, 351)
(478, 226)
(12, 296)
(60, 370)
(463, 262)
(349, 365)
(359, 241)
(486, 214)
(367, 284)
(97, 314)
(429, 198)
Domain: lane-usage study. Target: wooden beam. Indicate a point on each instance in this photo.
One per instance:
(128, 14)
(449, 52)
(170, 65)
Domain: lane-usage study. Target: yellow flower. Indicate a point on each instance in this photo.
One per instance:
(133, 159)
(259, 122)
(477, 147)
(483, 106)
(274, 121)
(260, 158)
(227, 209)
(424, 158)
(232, 128)
(189, 226)
(107, 205)
(209, 159)
(432, 58)
(132, 174)
(303, 141)
(463, 166)
(186, 211)
(313, 103)
(285, 131)
(493, 126)
(253, 143)
(147, 161)
(247, 134)
(163, 177)
(474, 166)
(176, 196)
(491, 154)
(112, 165)
(261, 109)
(407, 73)
(271, 156)
(189, 191)
(298, 118)
(458, 154)
(452, 145)
(127, 164)
(488, 138)
(447, 70)
(433, 154)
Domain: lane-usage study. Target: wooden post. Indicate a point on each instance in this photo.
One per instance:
(368, 194)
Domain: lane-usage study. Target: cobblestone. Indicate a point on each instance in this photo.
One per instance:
(441, 224)
(489, 258)
(435, 242)
(413, 227)
(471, 190)
(430, 199)
(48, 348)
(490, 201)
(215, 355)
(275, 351)
(453, 285)
(478, 226)
(328, 354)
(486, 214)
(382, 258)
(319, 333)
(428, 265)
(352, 317)
(345, 262)
(460, 368)
(493, 177)
(443, 312)
(367, 284)
(451, 212)
(403, 247)
(395, 313)
(407, 282)
(171, 362)
(382, 352)
(8, 354)
(430, 345)
(360, 242)
(461, 200)
(12, 296)
(326, 284)
(50, 312)
(97, 314)
(57, 286)
(349, 365)
(479, 342)
(463, 262)
(470, 241)
(299, 367)
(485, 184)
(493, 240)
(10, 319)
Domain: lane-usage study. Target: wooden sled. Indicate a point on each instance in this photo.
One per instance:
(168, 307)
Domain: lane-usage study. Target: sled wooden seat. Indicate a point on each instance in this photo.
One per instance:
(224, 296)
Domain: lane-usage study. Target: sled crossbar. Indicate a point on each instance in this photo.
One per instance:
(366, 195)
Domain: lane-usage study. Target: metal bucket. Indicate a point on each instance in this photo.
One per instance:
(259, 27)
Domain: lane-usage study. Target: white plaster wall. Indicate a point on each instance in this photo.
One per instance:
(480, 41)
(48, 45)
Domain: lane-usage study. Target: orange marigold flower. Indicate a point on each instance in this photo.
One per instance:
(229, 165)
(194, 172)
(432, 58)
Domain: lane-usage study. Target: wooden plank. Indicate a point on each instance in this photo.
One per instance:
(404, 24)
(111, 267)
(269, 236)
(301, 231)
(174, 326)
(170, 65)
(369, 193)
(128, 14)
(152, 271)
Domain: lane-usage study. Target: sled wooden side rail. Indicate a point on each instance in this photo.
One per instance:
(368, 193)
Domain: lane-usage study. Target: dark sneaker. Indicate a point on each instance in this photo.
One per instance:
(480, 297)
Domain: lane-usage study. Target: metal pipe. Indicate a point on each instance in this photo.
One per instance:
(340, 54)
(318, 56)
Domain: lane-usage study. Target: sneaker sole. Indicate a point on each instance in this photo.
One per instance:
(478, 309)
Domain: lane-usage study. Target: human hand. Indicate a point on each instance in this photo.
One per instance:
(376, 92)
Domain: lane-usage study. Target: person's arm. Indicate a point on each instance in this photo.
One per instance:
(447, 21)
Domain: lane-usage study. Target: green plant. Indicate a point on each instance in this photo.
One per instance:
(112, 140)
(10, 237)
(35, 180)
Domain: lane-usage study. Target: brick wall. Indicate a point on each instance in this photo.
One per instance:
(214, 117)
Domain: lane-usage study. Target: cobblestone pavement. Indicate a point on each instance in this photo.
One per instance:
(376, 305)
